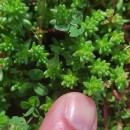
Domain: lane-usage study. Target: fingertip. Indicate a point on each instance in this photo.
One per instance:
(71, 111)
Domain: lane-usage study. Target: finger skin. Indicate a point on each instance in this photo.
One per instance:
(57, 118)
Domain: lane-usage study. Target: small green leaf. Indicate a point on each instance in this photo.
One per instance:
(75, 32)
(56, 49)
(127, 128)
(48, 103)
(25, 87)
(29, 112)
(27, 23)
(17, 121)
(53, 21)
(36, 113)
(54, 61)
(36, 74)
(34, 101)
(63, 28)
(77, 18)
(3, 119)
(25, 105)
(1, 74)
(40, 89)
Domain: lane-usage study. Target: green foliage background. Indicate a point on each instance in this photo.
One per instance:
(51, 47)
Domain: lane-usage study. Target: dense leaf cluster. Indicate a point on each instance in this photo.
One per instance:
(48, 48)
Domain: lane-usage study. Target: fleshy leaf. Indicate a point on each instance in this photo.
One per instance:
(34, 101)
(3, 119)
(40, 89)
(75, 32)
(25, 105)
(36, 74)
(1, 74)
(63, 28)
(29, 112)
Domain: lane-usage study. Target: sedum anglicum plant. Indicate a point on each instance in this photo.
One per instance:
(48, 48)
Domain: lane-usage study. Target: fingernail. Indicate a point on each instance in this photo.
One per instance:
(80, 112)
